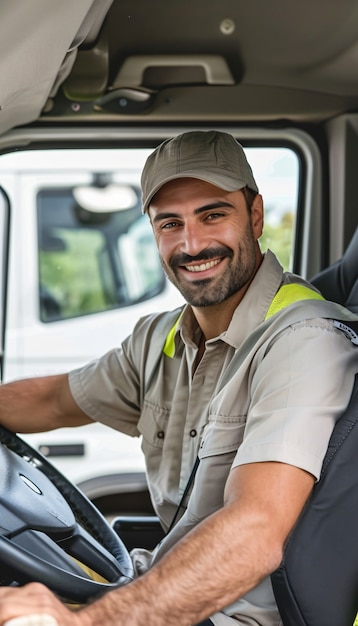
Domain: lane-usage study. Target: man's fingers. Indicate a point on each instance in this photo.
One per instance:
(38, 619)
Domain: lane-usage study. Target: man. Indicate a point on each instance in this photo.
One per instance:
(249, 378)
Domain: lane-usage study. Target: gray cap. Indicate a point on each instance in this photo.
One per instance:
(212, 156)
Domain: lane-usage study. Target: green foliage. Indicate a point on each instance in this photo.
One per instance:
(72, 276)
(279, 237)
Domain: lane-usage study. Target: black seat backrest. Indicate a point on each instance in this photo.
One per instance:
(339, 282)
(317, 582)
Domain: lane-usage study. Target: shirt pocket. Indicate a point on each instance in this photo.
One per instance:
(222, 435)
(152, 424)
(221, 438)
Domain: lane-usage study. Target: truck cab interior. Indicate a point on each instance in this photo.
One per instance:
(124, 75)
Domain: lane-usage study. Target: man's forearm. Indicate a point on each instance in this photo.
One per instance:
(38, 404)
(195, 579)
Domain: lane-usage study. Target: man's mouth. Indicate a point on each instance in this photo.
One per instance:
(202, 266)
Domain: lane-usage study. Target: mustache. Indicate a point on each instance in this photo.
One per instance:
(205, 255)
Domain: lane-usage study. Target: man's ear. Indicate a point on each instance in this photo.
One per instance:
(257, 216)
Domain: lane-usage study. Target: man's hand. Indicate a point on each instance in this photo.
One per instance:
(36, 599)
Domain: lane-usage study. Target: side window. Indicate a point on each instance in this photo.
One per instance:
(277, 172)
(92, 257)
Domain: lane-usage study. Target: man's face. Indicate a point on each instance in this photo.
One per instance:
(207, 239)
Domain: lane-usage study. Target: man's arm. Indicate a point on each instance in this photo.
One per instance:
(39, 404)
(220, 560)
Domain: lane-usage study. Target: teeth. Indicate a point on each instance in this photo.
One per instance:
(202, 266)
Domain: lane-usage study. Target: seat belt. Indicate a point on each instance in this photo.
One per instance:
(185, 493)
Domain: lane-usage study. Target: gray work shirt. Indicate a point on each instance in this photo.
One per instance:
(280, 404)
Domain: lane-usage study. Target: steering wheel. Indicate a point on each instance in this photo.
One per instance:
(48, 527)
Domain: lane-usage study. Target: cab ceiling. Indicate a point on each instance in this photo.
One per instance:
(177, 60)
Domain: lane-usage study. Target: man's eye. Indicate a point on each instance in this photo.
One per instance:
(214, 216)
(168, 225)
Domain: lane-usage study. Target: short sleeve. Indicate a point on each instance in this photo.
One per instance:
(107, 391)
(298, 391)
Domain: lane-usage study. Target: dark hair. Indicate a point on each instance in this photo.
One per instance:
(250, 196)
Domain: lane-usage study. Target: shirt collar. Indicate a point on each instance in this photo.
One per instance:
(252, 309)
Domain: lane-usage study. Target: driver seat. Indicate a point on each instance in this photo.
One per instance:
(317, 581)
(339, 282)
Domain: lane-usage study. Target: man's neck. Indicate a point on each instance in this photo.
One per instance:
(215, 319)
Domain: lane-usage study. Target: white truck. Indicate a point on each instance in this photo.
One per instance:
(83, 267)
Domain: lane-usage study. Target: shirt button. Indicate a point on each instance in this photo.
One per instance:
(160, 434)
(193, 433)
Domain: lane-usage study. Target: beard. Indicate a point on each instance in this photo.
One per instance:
(210, 291)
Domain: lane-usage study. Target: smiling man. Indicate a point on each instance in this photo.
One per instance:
(207, 243)
(235, 397)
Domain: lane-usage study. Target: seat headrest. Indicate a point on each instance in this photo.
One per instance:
(339, 282)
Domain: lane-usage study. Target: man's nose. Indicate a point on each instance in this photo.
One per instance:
(194, 239)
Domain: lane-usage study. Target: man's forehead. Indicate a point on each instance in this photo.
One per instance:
(180, 189)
